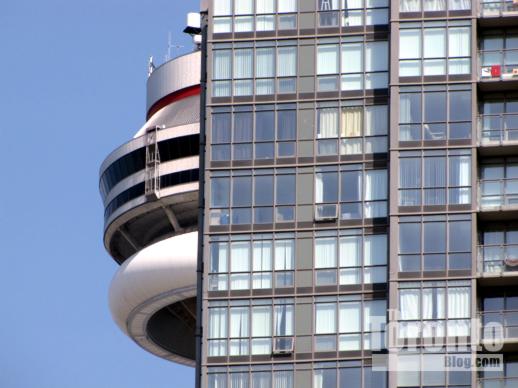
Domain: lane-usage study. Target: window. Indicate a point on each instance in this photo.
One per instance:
(352, 129)
(260, 376)
(499, 249)
(264, 70)
(435, 178)
(499, 120)
(267, 15)
(262, 263)
(352, 66)
(347, 374)
(499, 55)
(333, 13)
(434, 5)
(434, 243)
(498, 183)
(358, 259)
(435, 113)
(268, 132)
(361, 193)
(433, 49)
(359, 325)
(434, 309)
(499, 315)
(242, 328)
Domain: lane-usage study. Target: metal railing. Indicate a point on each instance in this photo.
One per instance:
(498, 382)
(499, 324)
(498, 258)
(498, 8)
(498, 192)
(498, 128)
(501, 64)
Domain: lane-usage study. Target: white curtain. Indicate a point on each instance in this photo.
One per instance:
(222, 7)
(325, 252)
(243, 7)
(376, 120)
(350, 317)
(239, 322)
(262, 256)
(434, 5)
(284, 254)
(409, 304)
(243, 63)
(283, 320)
(222, 24)
(409, 173)
(409, 44)
(287, 6)
(325, 322)
(435, 180)
(376, 56)
(261, 380)
(434, 303)
(327, 59)
(434, 43)
(327, 123)
(460, 175)
(459, 42)
(352, 18)
(350, 276)
(217, 380)
(375, 185)
(239, 281)
(319, 188)
(222, 68)
(243, 23)
(350, 251)
(265, 62)
(261, 321)
(459, 302)
(262, 280)
(265, 23)
(375, 249)
(265, 6)
(287, 62)
(283, 379)
(239, 380)
(459, 4)
(352, 121)
(409, 5)
(352, 58)
(240, 256)
(217, 323)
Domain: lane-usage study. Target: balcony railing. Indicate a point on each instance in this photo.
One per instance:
(498, 128)
(498, 8)
(499, 325)
(499, 64)
(502, 382)
(498, 258)
(496, 193)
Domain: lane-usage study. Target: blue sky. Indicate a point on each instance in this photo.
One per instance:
(72, 88)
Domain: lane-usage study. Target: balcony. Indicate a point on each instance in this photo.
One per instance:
(498, 382)
(498, 264)
(500, 326)
(498, 134)
(496, 66)
(498, 13)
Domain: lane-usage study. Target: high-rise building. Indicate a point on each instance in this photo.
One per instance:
(359, 220)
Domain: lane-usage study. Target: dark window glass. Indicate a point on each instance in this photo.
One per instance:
(220, 191)
(285, 190)
(286, 125)
(374, 379)
(350, 378)
(242, 151)
(329, 187)
(243, 125)
(221, 128)
(242, 191)
(434, 237)
(410, 238)
(460, 236)
(264, 126)
(493, 304)
(410, 108)
(460, 130)
(460, 106)
(264, 150)
(351, 186)
(263, 193)
(435, 106)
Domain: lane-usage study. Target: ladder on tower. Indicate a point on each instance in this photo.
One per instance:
(152, 182)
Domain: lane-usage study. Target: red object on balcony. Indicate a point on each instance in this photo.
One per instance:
(496, 71)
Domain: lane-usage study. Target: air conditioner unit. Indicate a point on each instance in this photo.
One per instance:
(282, 346)
(327, 212)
